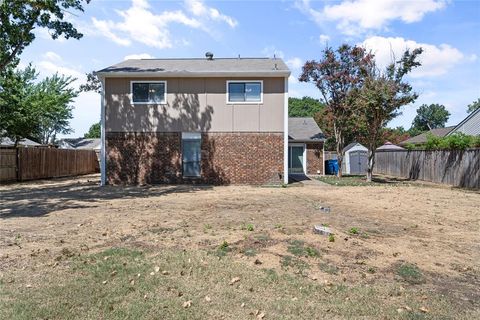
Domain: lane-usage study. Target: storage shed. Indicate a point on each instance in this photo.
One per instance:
(355, 159)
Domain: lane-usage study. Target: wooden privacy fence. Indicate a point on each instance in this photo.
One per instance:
(453, 167)
(39, 163)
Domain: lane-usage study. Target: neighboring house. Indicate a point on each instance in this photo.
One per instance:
(7, 142)
(215, 121)
(305, 146)
(388, 146)
(469, 126)
(355, 159)
(81, 144)
(422, 138)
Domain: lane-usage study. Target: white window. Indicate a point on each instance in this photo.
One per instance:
(244, 92)
(149, 92)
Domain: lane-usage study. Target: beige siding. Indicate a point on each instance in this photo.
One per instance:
(194, 104)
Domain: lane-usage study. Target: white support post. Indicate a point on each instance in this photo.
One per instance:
(102, 132)
(285, 133)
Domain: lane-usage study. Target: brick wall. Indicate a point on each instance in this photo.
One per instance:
(227, 158)
(314, 158)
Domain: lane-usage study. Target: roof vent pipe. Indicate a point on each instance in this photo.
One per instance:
(209, 55)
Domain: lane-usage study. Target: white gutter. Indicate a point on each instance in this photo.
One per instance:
(103, 175)
(186, 74)
(285, 132)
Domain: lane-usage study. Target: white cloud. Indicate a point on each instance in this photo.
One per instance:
(354, 17)
(473, 57)
(52, 56)
(436, 60)
(198, 8)
(324, 38)
(139, 56)
(139, 24)
(294, 63)
(271, 51)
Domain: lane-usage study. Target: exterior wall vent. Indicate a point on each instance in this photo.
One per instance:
(209, 55)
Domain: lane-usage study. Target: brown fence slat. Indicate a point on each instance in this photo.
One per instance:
(8, 164)
(454, 167)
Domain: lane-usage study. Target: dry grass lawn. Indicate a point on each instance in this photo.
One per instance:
(70, 249)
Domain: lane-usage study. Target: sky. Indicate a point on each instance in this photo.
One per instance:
(296, 31)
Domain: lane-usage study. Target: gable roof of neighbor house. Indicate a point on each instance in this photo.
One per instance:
(470, 125)
(422, 138)
(197, 67)
(7, 142)
(304, 130)
(351, 145)
(79, 143)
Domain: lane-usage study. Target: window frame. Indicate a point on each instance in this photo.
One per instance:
(244, 102)
(164, 102)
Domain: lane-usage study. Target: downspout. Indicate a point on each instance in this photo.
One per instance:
(102, 134)
(285, 133)
(323, 157)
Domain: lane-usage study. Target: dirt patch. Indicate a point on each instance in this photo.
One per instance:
(434, 229)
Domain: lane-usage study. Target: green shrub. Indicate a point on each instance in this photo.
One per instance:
(457, 141)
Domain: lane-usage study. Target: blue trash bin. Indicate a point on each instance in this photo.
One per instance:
(331, 167)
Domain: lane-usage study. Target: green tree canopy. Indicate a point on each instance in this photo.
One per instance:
(473, 106)
(35, 110)
(304, 107)
(430, 117)
(94, 131)
(19, 18)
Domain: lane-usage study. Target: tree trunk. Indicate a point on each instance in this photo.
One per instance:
(339, 145)
(371, 163)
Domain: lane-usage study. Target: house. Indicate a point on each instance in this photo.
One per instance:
(81, 144)
(7, 142)
(388, 146)
(469, 126)
(305, 147)
(355, 159)
(209, 120)
(422, 138)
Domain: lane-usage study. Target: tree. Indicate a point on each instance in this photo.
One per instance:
(92, 84)
(336, 74)
(34, 110)
(394, 135)
(473, 106)
(18, 119)
(52, 99)
(430, 117)
(19, 18)
(304, 107)
(380, 98)
(93, 132)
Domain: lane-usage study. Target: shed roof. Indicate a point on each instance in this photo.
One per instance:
(351, 145)
(422, 138)
(198, 67)
(304, 129)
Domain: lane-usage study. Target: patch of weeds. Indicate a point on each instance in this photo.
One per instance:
(207, 226)
(410, 273)
(371, 270)
(250, 252)
(223, 249)
(278, 226)
(271, 274)
(328, 268)
(326, 225)
(289, 262)
(262, 237)
(250, 227)
(297, 248)
(354, 230)
(160, 230)
(331, 237)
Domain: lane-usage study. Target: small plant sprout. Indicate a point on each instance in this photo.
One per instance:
(331, 237)
(354, 230)
(250, 227)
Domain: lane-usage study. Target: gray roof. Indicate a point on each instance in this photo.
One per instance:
(80, 143)
(422, 138)
(7, 142)
(390, 146)
(351, 145)
(304, 130)
(470, 125)
(196, 67)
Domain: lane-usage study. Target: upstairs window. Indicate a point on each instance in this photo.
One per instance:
(153, 92)
(244, 91)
